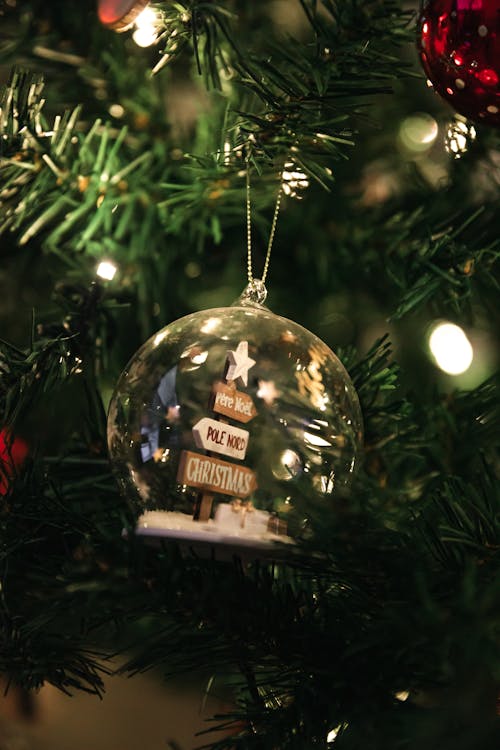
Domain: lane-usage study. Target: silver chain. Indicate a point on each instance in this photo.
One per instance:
(249, 231)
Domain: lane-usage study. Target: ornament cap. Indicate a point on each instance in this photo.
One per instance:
(254, 294)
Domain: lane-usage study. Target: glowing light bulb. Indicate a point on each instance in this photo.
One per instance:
(106, 270)
(146, 28)
(116, 110)
(294, 180)
(418, 132)
(451, 349)
(459, 135)
(402, 696)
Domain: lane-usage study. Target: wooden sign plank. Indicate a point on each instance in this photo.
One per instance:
(232, 403)
(220, 437)
(214, 475)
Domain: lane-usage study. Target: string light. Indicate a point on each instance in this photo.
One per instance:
(459, 135)
(402, 696)
(146, 28)
(293, 180)
(450, 348)
(106, 270)
(418, 132)
(116, 110)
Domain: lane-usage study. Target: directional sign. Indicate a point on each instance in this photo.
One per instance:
(213, 475)
(232, 403)
(221, 438)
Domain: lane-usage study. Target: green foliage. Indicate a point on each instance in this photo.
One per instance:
(140, 156)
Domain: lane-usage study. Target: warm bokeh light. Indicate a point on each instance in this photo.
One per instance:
(291, 465)
(332, 734)
(459, 135)
(146, 28)
(106, 270)
(402, 696)
(198, 358)
(450, 348)
(210, 325)
(267, 391)
(294, 180)
(418, 132)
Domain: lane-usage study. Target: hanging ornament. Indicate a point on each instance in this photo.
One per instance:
(120, 14)
(13, 452)
(459, 42)
(233, 425)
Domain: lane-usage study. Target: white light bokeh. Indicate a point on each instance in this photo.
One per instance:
(402, 696)
(459, 135)
(116, 110)
(106, 270)
(268, 392)
(450, 348)
(199, 358)
(332, 734)
(294, 180)
(146, 28)
(210, 325)
(291, 463)
(418, 132)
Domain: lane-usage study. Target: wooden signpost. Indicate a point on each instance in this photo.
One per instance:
(221, 438)
(232, 403)
(212, 475)
(215, 476)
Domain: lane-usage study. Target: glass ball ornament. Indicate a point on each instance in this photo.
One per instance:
(234, 426)
(459, 44)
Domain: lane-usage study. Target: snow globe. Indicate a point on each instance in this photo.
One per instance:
(231, 426)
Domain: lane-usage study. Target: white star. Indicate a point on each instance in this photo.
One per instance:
(239, 363)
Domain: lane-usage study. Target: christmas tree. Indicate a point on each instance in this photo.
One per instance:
(133, 136)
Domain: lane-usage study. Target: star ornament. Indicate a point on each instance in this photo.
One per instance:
(239, 363)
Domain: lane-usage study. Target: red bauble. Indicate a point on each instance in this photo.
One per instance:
(459, 42)
(13, 451)
(119, 14)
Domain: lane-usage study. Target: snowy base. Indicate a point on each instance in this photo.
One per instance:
(181, 527)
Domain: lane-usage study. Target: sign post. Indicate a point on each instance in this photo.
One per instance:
(213, 475)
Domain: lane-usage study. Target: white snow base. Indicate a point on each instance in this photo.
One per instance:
(181, 527)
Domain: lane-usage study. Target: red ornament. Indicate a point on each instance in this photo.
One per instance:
(13, 451)
(119, 14)
(459, 42)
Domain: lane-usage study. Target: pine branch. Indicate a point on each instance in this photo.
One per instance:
(445, 268)
(460, 523)
(397, 589)
(82, 179)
